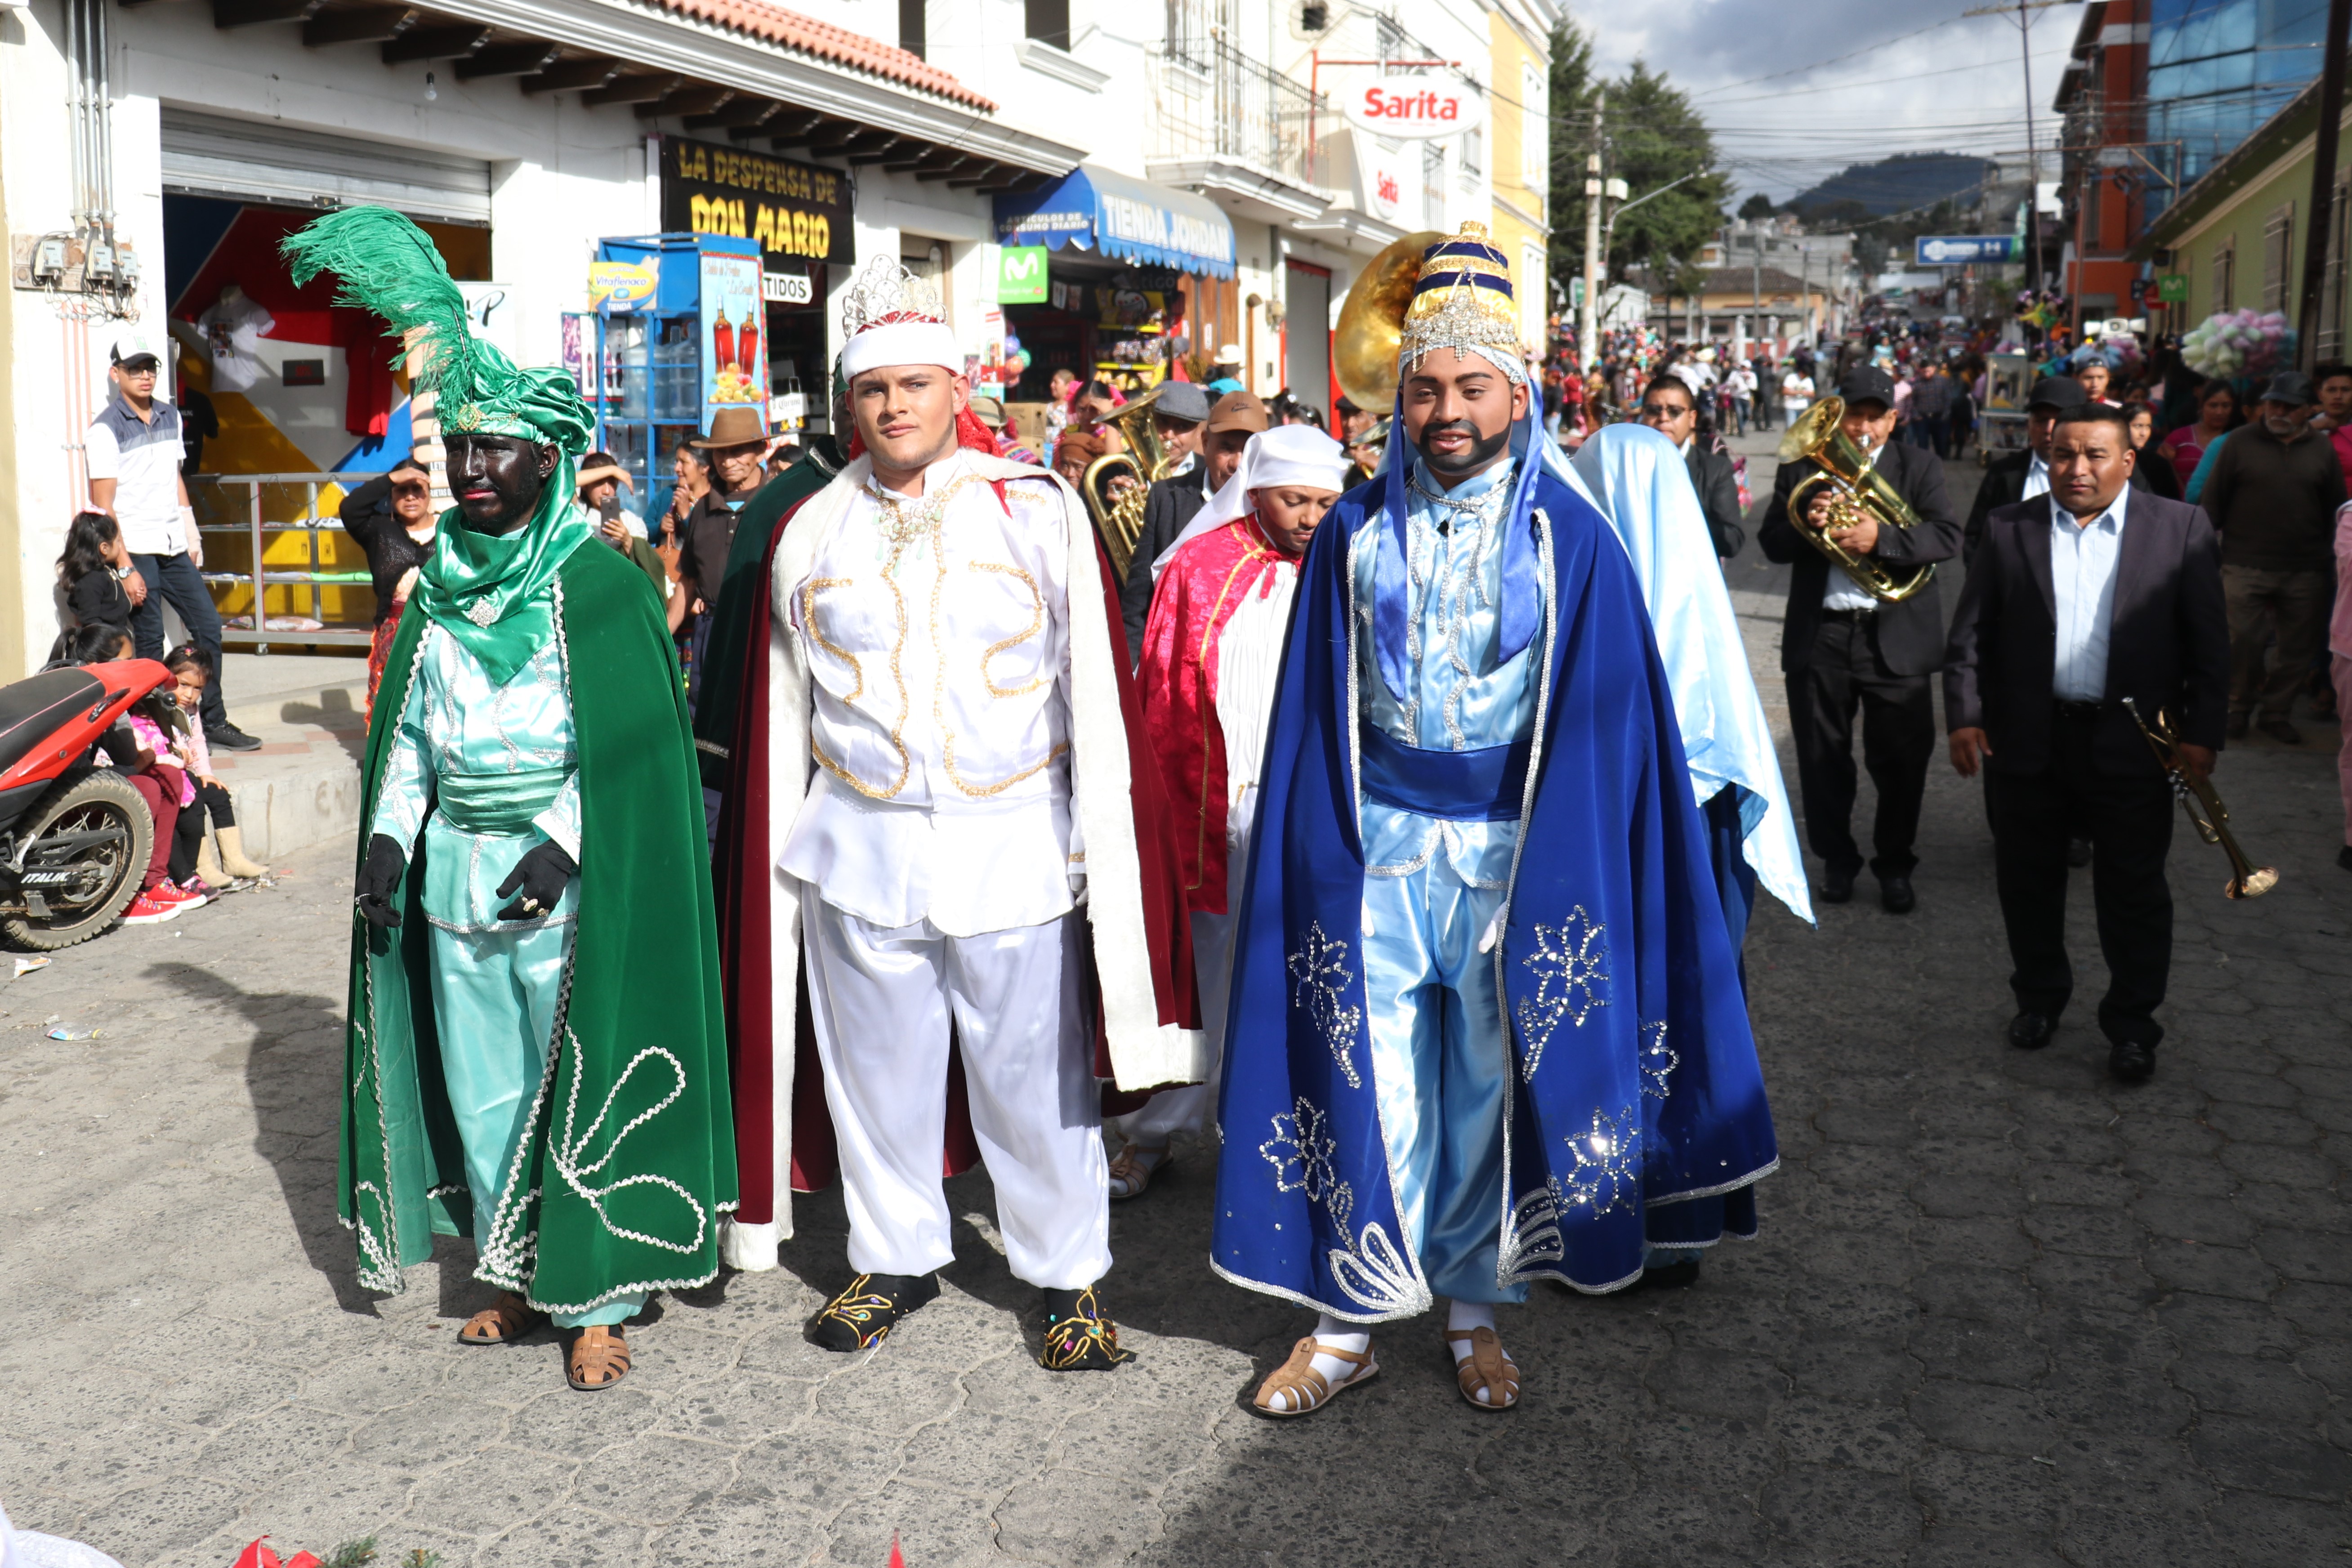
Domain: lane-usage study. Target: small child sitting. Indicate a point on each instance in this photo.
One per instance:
(193, 863)
(135, 747)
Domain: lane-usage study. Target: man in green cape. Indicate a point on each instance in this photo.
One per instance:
(510, 1071)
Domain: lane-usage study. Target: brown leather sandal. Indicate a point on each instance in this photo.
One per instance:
(600, 1358)
(1130, 1174)
(501, 1322)
(1485, 1367)
(1304, 1389)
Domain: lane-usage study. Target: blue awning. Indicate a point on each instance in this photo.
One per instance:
(1131, 220)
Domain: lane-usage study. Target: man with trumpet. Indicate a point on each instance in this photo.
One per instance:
(2080, 607)
(1843, 644)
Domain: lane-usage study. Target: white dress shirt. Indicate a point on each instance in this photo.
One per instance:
(2037, 478)
(2083, 557)
(938, 639)
(1842, 592)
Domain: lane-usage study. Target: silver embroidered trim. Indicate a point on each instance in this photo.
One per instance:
(482, 613)
(1607, 1176)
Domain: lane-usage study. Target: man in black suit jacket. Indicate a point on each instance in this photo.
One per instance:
(1668, 408)
(2014, 477)
(2074, 602)
(1841, 648)
(1175, 500)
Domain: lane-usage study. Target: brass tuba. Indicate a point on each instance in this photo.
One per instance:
(1372, 322)
(2203, 804)
(1118, 519)
(1856, 491)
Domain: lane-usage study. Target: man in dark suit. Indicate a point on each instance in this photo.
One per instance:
(2014, 477)
(2073, 604)
(1174, 501)
(1668, 408)
(1841, 648)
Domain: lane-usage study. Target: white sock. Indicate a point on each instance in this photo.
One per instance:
(1460, 1317)
(1330, 1330)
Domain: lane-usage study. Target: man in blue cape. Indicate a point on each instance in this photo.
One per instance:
(1486, 1024)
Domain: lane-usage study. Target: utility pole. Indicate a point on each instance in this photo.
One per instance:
(2321, 230)
(2022, 11)
(1587, 336)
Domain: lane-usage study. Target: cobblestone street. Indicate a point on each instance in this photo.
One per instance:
(2002, 1311)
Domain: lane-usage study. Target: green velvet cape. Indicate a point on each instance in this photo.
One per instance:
(629, 1158)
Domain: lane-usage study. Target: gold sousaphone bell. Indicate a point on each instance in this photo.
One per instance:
(1372, 322)
(1856, 491)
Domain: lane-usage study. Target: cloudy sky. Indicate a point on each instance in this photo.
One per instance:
(1796, 90)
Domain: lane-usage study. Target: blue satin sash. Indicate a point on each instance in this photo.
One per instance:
(1488, 784)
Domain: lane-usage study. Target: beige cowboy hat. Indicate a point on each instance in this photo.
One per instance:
(734, 428)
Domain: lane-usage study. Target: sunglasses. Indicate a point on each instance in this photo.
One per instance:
(1664, 410)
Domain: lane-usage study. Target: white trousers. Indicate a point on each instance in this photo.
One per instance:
(883, 1000)
(1186, 1111)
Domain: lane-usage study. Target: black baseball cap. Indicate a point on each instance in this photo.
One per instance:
(1867, 383)
(2057, 393)
(2291, 387)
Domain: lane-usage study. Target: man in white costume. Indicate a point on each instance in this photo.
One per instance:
(950, 820)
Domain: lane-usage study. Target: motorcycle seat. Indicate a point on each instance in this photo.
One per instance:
(34, 709)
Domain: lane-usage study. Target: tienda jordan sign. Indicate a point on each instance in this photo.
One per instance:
(1411, 106)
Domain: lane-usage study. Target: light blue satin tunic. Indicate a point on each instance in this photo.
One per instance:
(1435, 886)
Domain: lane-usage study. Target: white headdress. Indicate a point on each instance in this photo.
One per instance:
(1296, 455)
(889, 315)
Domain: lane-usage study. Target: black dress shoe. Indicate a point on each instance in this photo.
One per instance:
(229, 738)
(866, 1311)
(1669, 1276)
(1837, 886)
(1895, 894)
(2344, 856)
(2078, 852)
(1079, 1335)
(2132, 1061)
(2031, 1031)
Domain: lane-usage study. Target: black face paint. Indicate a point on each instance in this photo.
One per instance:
(496, 479)
(1482, 451)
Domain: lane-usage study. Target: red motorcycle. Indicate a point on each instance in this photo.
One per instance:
(75, 839)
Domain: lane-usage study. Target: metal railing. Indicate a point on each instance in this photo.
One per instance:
(255, 528)
(1212, 100)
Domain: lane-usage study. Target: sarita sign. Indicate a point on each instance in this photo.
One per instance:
(1414, 106)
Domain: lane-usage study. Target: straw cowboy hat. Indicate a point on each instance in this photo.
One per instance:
(734, 428)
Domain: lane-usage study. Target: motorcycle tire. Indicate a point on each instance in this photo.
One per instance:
(93, 800)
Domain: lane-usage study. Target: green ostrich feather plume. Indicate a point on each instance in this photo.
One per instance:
(386, 264)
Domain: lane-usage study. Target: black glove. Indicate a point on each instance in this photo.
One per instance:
(378, 877)
(541, 875)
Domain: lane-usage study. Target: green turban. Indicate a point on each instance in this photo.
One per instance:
(389, 266)
(490, 592)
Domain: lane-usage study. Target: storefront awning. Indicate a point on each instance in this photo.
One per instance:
(1121, 216)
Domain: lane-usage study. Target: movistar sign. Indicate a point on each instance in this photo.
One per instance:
(1021, 275)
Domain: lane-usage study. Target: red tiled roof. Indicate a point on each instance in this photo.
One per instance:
(804, 34)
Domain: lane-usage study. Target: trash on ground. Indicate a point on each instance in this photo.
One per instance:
(68, 1032)
(26, 965)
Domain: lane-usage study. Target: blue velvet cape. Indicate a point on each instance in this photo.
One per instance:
(1637, 1090)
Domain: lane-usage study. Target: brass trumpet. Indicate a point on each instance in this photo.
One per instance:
(1119, 517)
(2247, 880)
(1856, 491)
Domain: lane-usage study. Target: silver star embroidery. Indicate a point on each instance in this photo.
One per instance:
(1570, 961)
(1321, 970)
(1608, 1165)
(1658, 1060)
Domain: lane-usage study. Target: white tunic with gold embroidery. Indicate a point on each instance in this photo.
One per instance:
(938, 636)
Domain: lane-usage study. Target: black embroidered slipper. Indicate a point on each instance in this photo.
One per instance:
(1079, 1335)
(863, 1315)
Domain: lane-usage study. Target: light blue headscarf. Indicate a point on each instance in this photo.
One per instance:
(1638, 480)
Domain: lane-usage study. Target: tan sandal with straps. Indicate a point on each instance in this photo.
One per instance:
(1306, 1389)
(501, 1322)
(1131, 1172)
(600, 1358)
(1485, 1367)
